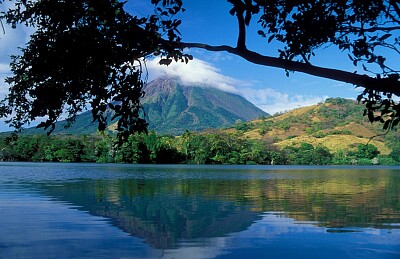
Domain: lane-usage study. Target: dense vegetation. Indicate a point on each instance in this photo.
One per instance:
(215, 147)
(333, 132)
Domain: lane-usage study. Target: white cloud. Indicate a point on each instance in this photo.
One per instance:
(196, 72)
(273, 101)
(201, 73)
(10, 41)
(4, 71)
(292, 104)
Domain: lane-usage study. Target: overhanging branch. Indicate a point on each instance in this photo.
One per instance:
(385, 85)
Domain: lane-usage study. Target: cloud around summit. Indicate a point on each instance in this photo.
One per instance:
(196, 72)
(201, 73)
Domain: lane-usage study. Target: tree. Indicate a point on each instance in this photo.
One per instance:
(395, 154)
(85, 51)
(197, 148)
(93, 51)
(70, 150)
(368, 151)
(306, 154)
(133, 151)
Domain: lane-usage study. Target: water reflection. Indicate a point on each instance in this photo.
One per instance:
(163, 211)
(206, 212)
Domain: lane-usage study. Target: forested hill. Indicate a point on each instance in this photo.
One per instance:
(334, 132)
(173, 108)
(337, 124)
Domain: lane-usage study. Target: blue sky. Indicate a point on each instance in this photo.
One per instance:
(268, 88)
(210, 22)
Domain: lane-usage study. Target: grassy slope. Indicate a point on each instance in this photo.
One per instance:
(337, 124)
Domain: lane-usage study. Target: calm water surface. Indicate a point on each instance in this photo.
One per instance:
(137, 211)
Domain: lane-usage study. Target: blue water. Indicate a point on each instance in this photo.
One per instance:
(155, 211)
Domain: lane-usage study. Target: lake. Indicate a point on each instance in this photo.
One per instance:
(56, 210)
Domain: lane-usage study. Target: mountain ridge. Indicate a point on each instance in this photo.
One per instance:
(173, 108)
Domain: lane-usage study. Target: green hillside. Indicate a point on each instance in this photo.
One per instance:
(329, 133)
(336, 124)
(173, 108)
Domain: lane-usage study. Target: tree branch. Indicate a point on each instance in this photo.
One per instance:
(385, 85)
(372, 29)
(395, 6)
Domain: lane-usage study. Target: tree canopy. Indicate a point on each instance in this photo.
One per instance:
(94, 51)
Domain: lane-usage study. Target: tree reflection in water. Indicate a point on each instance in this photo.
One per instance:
(167, 210)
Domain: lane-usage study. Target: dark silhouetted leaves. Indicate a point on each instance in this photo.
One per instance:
(86, 52)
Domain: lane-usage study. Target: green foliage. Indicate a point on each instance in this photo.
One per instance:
(196, 148)
(341, 157)
(340, 111)
(319, 134)
(42, 148)
(70, 150)
(214, 147)
(367, 151)
(340, 132)
(241, 125)
(306, 154)
(165, 151)
(363, 155)
(314, 128)
(387, 161)
(395, 154)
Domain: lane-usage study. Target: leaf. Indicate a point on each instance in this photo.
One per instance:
(370, 116)
(384, 37)
(350, 57)
(395, 122)
(102, 107)
(41, 125)
(165, 61)
(261, 33)
(232, 11)
(387, 124)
